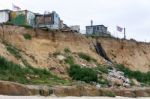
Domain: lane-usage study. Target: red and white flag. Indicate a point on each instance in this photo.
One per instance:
(15, 7)
(120, 29)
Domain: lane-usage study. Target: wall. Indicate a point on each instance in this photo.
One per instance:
(18, 18)
(55, 21)
(23, 18)
(89, 30)
(4, 16)
(43, 21)
(30, 19)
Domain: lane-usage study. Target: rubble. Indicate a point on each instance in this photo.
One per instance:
(117, 77)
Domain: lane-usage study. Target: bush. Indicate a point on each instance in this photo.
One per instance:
(27, 36)
(67, 50)
(141, 77)
(69, 60)
(82, 74)
(86, 57)
(103, 69)
(103, 81)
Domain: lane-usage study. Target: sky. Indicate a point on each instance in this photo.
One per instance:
(134, 15)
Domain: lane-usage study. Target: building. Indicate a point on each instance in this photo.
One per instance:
(49, 20)
(75, 28)
(97, 30)
(43, 21)
(23, 17)
(4, 16)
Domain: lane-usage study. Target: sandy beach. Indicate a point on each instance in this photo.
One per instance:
(39, 97)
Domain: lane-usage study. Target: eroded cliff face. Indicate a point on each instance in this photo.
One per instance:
(10, 88)
(40, 49)
(135, 55)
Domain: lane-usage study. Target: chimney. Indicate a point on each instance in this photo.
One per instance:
(91, 22)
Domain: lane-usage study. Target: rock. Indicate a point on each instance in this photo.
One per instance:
(60, 57)
(116, 81)
(141, 93)
(9, 88)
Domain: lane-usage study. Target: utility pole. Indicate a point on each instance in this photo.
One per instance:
(124, 33)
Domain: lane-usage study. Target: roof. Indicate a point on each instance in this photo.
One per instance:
(96, 25)
(5, 10)
(37, 14)
(23, 10)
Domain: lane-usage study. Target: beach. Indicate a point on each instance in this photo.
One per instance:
(39, 97)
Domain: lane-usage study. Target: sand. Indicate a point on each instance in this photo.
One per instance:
(39, 97)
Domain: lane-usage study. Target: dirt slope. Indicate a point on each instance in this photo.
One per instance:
(39, 50)
(135, 55)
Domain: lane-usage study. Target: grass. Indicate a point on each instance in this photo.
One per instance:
(27, 36)
(82, 73)
(69, 60)
(12, 49)
(139, 76)
(109, 94)
(10, 71)
(86, 57)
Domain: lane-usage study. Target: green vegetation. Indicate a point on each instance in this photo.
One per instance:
(69, 60)
(12, 49)
(103, 69)
(82, 74)
(103, 81)
(109, 94)
(10, 71)
(27, 36)
(141, 77)
(67, 50)
(86, 57)
(27, 26)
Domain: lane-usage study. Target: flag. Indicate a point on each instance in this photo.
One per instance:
(15, 7)
(120, 29)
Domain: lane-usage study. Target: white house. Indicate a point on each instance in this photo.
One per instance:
(4, 16)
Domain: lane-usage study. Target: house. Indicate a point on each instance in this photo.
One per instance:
(50, 21)
(4, 15)
(22, 18)
(75, 28)
(97, 30)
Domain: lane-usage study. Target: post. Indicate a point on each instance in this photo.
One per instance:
(124, 33)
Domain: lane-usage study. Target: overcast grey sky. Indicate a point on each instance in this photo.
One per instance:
(134, 15)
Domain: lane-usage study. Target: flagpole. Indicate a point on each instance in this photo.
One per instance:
(124, 33)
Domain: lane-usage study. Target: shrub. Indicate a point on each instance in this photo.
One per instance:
(141, 77)
(82, 74)
(86, 57)
(103, 81)
(27, 36)
(69, 60)
(67, 50)
(103, 69)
